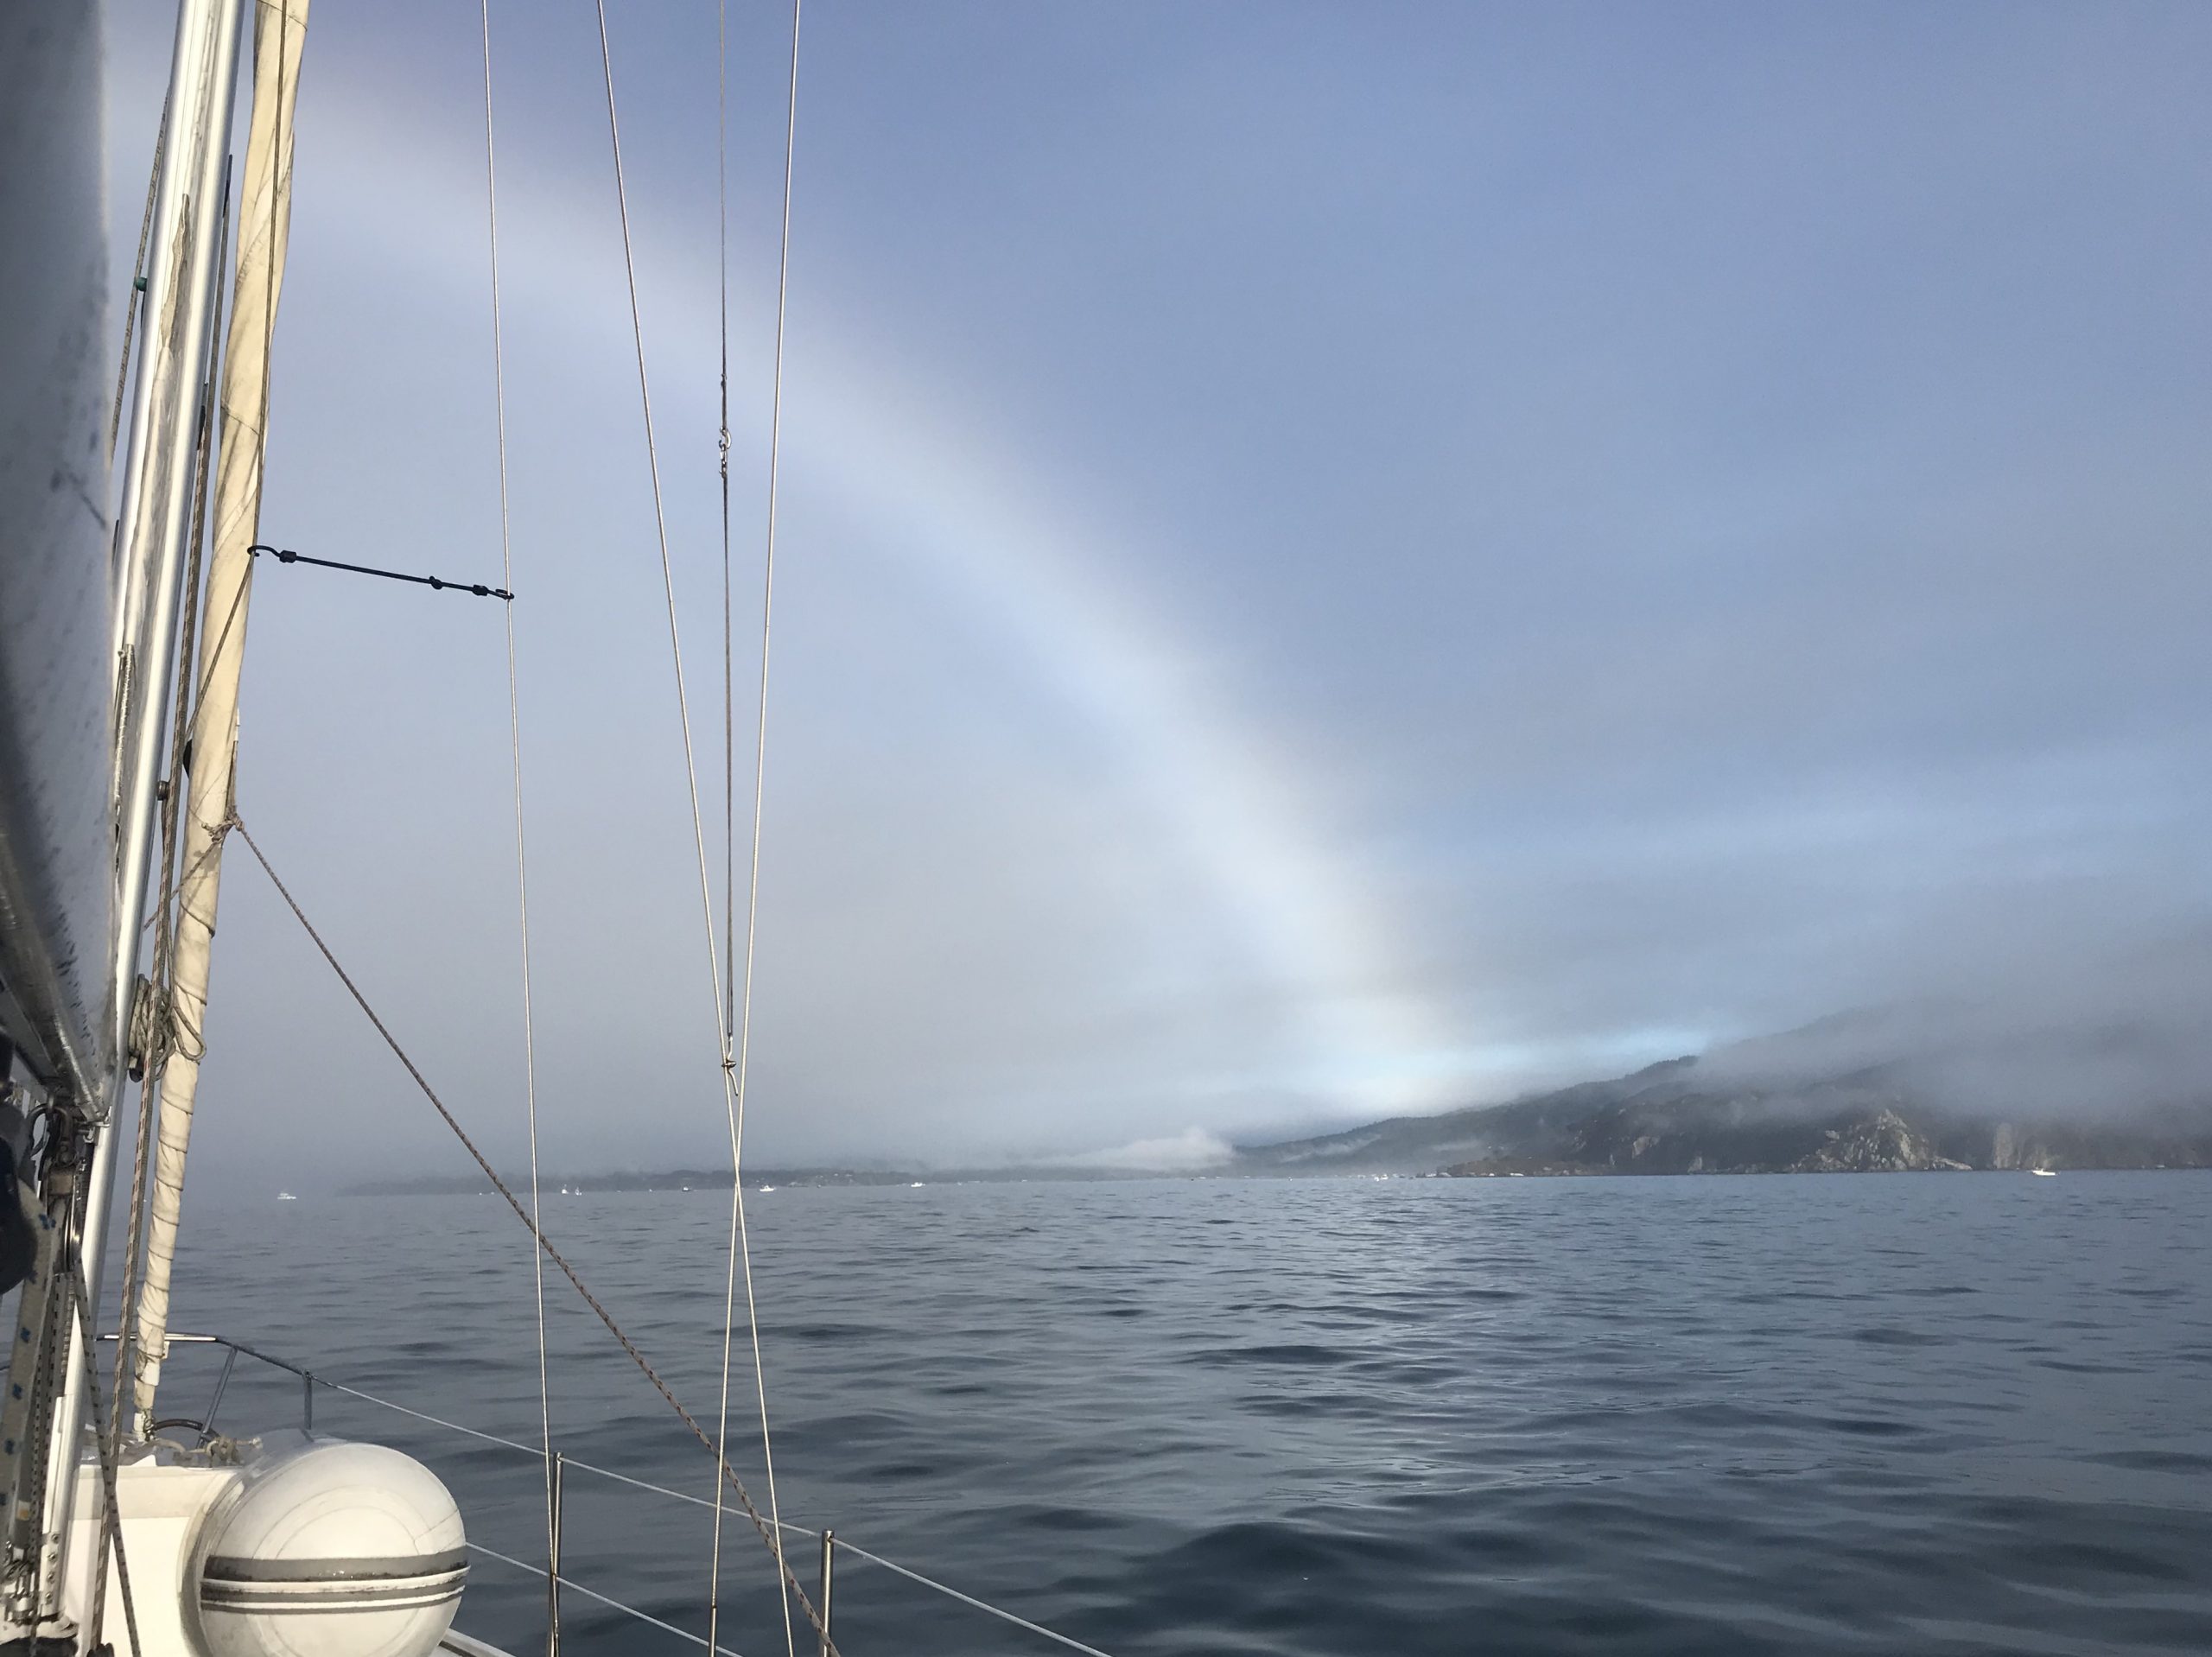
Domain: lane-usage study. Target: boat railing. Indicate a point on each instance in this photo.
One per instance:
(830, 1545)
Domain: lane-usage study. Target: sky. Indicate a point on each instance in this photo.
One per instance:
(1332, 559)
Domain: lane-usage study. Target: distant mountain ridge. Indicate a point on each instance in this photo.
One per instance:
(1810, 1103)
(1924, 1087)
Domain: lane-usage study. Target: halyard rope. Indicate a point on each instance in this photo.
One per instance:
(111, 1530)
(514, 731)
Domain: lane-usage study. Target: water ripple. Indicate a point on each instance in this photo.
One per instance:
(1819, 1415)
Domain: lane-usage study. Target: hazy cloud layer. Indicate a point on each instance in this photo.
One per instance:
(1332, 558)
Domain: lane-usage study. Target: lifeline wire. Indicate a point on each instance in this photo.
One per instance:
(514, 730)
(575, 1465)
(853, 1548)
(771, 1535)
(421, 1083)
(570, 1583)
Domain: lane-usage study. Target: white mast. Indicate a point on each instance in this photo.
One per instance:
(182, 261)
(265, 220)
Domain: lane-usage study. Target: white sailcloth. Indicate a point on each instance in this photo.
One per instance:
(265, 226)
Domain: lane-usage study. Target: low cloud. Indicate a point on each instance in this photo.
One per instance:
(2076, 1034)
(1189, 1151)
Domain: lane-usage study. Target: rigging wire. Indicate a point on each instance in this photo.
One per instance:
(760, 1522)
(771, 1533)
(721, 466)
(514, 731)
(740, 1239)
(736, 1015)
(730, 763)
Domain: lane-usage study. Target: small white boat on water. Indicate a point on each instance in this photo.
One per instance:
(2045, 1173)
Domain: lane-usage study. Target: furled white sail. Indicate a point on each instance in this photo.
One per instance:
(265, 223)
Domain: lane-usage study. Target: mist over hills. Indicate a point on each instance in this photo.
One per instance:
(1929, 1086)
(1685, 1116)
(1926, 1087)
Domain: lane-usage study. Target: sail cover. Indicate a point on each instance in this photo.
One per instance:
(56, 764)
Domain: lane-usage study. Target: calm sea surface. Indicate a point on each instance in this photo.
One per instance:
(1908, 1413)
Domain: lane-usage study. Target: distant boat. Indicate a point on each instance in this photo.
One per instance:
(286, 1197)
(766, 1189)
(916, 1186)
(2045, 1173)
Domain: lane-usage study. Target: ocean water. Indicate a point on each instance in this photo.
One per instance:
(1908, 1413)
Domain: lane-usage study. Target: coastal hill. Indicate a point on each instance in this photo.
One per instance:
(1816, 1101)
(1932, 1090)
(1671, 1118)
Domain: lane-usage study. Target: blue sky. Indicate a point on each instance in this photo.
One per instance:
(1334, 559)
